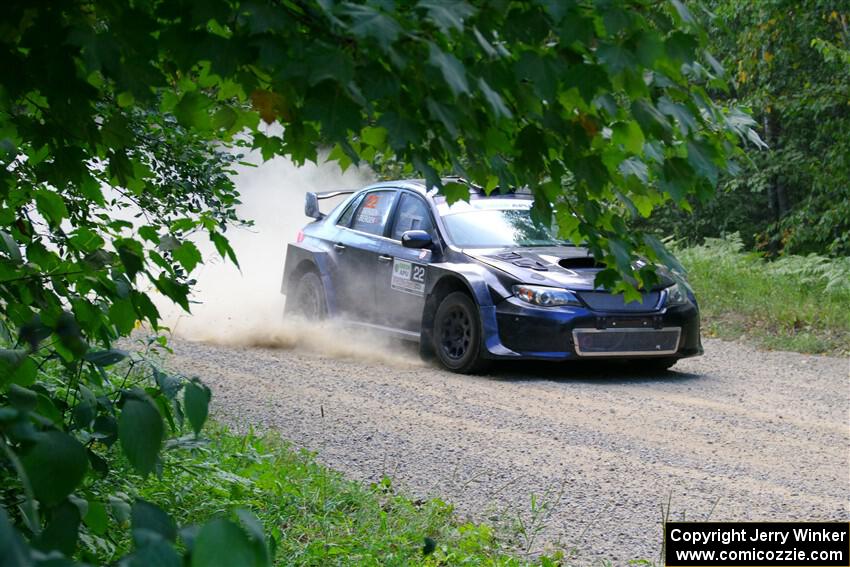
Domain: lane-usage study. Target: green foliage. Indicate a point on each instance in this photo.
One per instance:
(502, 92)
(313, 515)
(788, 62)
(793, 303)
(66, 488)
(119, 124)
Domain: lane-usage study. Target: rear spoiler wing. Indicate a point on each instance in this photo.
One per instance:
(312, 198)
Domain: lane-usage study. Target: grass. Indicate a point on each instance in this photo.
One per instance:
(313, 514)
(797, 303)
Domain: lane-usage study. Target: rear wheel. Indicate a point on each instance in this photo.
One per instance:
(308, 298)
(457, 334)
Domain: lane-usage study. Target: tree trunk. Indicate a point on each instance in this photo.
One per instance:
(777, 193)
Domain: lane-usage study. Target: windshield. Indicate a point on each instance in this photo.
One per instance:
(498, 228)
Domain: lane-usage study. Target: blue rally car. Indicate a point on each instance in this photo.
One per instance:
(474, 282)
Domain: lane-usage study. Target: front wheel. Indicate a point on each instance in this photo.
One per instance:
(457, 334)
(308, 298)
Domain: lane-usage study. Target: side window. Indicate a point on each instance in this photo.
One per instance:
(371, 215)
(412, 214)
(348, 214)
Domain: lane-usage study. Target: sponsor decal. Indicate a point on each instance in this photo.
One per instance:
(372, 201)
(370, 212)
(408, 277)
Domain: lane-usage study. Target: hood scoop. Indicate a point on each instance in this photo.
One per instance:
(580, 263)
(521, 261)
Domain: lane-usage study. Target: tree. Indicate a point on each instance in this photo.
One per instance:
(786, 62)
(116, 120)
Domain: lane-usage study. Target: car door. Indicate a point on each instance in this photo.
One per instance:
(402, 272)
(356, 251)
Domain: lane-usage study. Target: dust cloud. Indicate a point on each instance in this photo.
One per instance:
(244, 307)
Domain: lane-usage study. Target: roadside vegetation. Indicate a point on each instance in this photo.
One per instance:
(313, 515)
(216, 497)
(798, 303)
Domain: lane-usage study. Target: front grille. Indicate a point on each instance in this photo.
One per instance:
(602, 301)
(626, 342)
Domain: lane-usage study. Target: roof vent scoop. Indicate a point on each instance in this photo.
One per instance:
(580, 263)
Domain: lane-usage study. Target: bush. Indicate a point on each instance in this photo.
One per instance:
(793, 303)
(61, 436)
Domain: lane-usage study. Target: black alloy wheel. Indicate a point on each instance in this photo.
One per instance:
(457, 334)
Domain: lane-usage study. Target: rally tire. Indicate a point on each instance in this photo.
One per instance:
(457, 340)
(308, 298)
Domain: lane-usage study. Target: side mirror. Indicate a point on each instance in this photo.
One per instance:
(311, 206)
(416, 239)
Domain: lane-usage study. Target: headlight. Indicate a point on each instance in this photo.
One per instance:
(545, 296)
(676, 295)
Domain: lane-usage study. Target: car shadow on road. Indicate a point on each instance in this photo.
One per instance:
(598, 372)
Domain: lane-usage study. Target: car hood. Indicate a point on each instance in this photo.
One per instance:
(570, 267)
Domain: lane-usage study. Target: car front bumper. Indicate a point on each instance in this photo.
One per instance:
(515, 329)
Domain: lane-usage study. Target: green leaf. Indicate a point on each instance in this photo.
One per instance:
(634, 166)
(168, 384)
(452, 69)
(157, 553)
(25, 374)
(455, 192)
(197, 401)
(447, 14)
(616, 57)
(62, 530)
(106, 357)
(368, 22)
(149, 521)
(122, 314)
(651, 121)
(51, 206)
(55, 466)
(140, 431)
(193, 110)
(132, 257)
(681, 47)
(15, 552)
(96, 517)
(374, 136)
(683, 116)
(120, 509)
(592, 171)
(494, 100)
(187, 254)
(629, 135)
(221, 543)
(11, 247)
(588, 79)
(621, 255)
(700, 156)
(10, 360)
(224, 118)
(22, 399)
(663, 254)
(677, 179)
(47, 409)
(254, 529)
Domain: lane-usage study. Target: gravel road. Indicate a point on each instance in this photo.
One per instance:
(738, 434)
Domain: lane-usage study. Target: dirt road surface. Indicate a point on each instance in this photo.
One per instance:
(738, 434)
